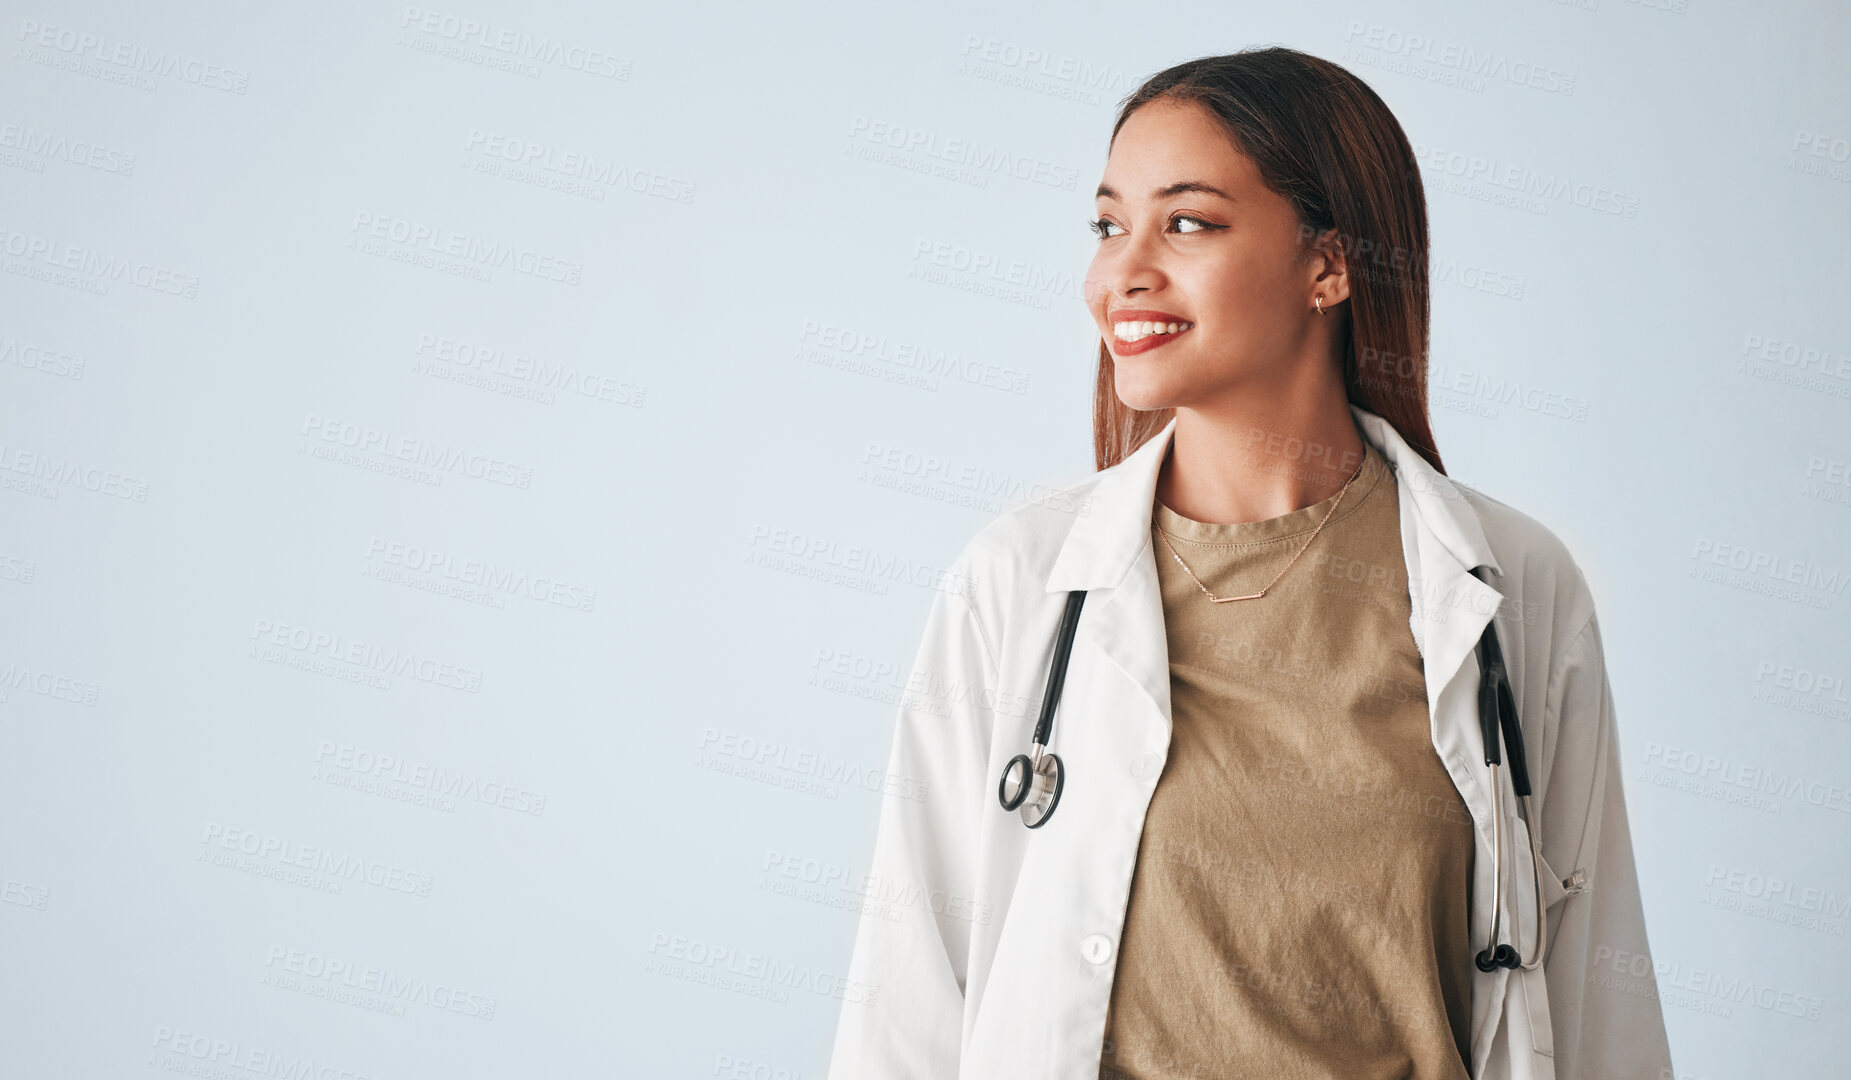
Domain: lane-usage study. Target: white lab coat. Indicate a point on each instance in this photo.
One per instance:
(986, 950)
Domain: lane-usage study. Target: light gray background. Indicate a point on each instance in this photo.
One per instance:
(661, 661)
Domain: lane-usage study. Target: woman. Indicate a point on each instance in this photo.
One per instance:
(1276, 846)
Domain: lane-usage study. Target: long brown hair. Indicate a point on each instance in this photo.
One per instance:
(1325, 141)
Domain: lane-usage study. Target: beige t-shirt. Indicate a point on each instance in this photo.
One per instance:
(1301, 894)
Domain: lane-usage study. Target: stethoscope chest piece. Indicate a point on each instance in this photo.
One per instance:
(1032, 786)
(1031, 782)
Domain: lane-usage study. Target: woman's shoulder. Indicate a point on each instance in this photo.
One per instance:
(1024, 539)
(1004, 566)
(1537, 571)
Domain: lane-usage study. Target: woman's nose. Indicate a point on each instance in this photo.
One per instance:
(1130, 267)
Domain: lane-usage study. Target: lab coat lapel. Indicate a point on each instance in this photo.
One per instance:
(1109, 548)
(1442, 540)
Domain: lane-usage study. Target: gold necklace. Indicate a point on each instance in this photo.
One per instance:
(1314, 535)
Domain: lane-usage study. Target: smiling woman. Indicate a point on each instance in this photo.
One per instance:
(1285, 823)
(1268, 186)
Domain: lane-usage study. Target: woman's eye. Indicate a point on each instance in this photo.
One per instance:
(1102, 228)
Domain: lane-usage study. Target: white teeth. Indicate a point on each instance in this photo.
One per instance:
(1137, 331)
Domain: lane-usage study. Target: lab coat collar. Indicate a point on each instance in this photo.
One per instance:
(1105, 540)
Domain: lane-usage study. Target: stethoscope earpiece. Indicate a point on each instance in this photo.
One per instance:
(1490, 960)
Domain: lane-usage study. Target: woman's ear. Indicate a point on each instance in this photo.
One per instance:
(1330, 268)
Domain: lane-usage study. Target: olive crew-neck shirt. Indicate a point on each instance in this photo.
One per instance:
(1299, 905)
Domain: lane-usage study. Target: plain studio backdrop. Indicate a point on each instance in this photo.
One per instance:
(472, 480)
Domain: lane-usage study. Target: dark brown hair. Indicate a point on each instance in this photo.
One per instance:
(1326, 142)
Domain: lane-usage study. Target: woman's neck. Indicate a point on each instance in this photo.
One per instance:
(1235, 463)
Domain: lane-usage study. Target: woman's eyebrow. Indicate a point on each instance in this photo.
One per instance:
(1177, 188)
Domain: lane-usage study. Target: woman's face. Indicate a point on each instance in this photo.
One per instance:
(1190, 235)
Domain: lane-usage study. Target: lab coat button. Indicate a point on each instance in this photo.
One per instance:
(1145, 766)
(1097, 948)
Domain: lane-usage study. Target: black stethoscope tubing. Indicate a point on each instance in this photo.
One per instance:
(1039, 762)
(1041, 774)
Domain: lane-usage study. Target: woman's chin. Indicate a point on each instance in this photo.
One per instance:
(1143, 390)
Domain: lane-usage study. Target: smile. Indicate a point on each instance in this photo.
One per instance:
(1136, 330)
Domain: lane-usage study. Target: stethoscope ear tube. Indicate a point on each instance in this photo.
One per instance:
(1513, 736)
(1057, 672)
(1497, 710)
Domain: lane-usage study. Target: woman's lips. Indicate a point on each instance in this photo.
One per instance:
(1143, 344)
(1150, 318)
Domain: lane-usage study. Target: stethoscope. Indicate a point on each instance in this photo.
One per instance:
(1032, 782)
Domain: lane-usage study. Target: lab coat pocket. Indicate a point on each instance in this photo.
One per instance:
(1556, 888)
(1535, 985)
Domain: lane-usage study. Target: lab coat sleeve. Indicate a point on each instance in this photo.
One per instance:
(1607, 1022)
(912, 940)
